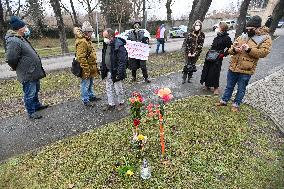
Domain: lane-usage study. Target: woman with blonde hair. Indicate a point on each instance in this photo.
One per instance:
(212, 67)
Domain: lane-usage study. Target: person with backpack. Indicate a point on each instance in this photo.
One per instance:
(160, 36)
(86, 56)
(113, 68)
(246, 52)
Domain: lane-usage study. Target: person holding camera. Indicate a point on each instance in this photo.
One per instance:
(246, 52)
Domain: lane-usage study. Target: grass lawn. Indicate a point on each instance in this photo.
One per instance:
(45, 47)
(207, 147)
(62, 86)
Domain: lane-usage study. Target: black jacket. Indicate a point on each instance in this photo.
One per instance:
(118, 56)
(221, 42)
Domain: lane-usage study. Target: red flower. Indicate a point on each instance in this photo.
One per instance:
(167, 98)
(136, 122)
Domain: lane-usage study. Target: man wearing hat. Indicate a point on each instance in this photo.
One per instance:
(22, 58)
(252, 45)
(134, 64)
(86, 56)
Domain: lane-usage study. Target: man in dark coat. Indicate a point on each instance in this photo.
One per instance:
(134, 64)
(113, 68)
(22, 58)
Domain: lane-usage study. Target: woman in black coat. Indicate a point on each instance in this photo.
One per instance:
(211, 70)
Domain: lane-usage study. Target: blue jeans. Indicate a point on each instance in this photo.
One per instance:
(31, 89)
(87, 89)
(233, 79)
(160, 42)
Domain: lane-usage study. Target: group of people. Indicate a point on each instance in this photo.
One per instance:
(255, 43)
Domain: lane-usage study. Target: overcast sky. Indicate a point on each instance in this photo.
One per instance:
(179, 8)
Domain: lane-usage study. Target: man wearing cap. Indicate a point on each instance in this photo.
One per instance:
(252, 45)
(86, 56)
(22, 58)
(134, 64)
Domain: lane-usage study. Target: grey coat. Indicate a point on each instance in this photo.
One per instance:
(22, 58)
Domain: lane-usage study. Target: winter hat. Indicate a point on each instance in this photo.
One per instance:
(254, 21)
(86, 27)
(16, 23)
(136, 22)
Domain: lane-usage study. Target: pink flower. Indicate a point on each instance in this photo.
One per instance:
(167, 98)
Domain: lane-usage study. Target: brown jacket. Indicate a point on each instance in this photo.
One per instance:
(259, 47)
(85, 54)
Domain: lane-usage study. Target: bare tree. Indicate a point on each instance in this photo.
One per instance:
(137, 8)
(116, 12)
(76, 22)
(198, 11)
(36, 14)
(169, 3)
(60, 24)
(2, 24)
(241, 22)
(277, 14)
(90, 9)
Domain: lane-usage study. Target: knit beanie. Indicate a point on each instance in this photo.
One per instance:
(254, 21)
(86, 27)
(16, 23)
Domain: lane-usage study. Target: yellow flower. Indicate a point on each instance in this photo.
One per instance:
(140, 137)
(129, 173)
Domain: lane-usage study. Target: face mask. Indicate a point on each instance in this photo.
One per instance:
(250, 33)
(197, 28)
(107, 41)
(27, 33)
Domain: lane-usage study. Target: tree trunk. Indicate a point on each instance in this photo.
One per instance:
(277, 14)
(60, 24)
(2, 24)
(76, 22)
(144, 14)
(241, 22)
(36, 13)
(198, 12)
(169, 11)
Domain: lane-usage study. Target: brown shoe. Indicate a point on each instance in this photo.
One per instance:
(235, 109)
(220, 104)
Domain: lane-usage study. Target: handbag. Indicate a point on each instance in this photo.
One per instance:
(212, 56)
(76, 68)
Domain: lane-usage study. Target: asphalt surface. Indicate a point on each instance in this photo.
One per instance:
(19, 135)
(61, 62)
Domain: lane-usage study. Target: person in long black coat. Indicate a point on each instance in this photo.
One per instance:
(211, 70)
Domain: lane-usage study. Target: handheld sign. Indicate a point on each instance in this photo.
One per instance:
(137, 50)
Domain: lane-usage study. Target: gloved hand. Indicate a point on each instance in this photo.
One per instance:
(221, 56)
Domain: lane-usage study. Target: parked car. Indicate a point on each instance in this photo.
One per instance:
(231, 24)
(280, 24)
(178, 31)
(125, 34)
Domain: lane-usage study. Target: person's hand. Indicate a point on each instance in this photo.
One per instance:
(245, 47)
(189, 55)
(193, 55)
(238, 49)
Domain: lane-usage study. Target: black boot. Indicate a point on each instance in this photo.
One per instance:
(184, 76)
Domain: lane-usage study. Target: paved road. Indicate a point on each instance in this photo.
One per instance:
(62, 62)
(19, 135)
